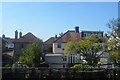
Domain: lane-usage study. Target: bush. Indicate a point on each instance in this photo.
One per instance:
(8, 65)
(77, 66)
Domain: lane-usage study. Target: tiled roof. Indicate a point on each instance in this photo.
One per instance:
(29, 37)
(8, 40)
(68, 36)
(50, 40)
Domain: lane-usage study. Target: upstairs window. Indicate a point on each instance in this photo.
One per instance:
(85, 34)
(22, 46)
(59, 45)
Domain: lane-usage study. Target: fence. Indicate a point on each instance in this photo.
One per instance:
(62, 73)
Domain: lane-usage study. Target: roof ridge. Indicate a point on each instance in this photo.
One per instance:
(49, 39)
(29, 37)
(62, 35)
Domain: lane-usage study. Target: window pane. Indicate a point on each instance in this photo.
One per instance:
(59, 45)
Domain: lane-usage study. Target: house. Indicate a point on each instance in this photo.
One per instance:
(7, 50)
(72, 35)
(47, 45)
(13, 46)
(23, 41)
(7, 43)
(87, 33)
(60, 42)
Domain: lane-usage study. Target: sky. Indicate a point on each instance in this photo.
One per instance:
(47, 19)
(59, 0)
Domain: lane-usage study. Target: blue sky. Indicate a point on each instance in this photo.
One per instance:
(45, 20)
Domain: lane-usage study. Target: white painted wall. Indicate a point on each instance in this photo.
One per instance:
(58, 50)
(58, 58)
(54, 58)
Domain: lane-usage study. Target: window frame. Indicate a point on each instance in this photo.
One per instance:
(59, 45)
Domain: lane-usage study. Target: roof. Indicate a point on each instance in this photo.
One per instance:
(68, 36)
(50, 40)
(8, 40)
(29, 38)
(92, 31)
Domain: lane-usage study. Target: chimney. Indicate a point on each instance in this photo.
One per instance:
(77, 29)
(20, 34)
(16, 34)
(55, 36)
(3, 36)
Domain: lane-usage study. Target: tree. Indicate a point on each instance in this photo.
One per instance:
(114, 40)
(31, 54)
(87, 47)
(71, 47)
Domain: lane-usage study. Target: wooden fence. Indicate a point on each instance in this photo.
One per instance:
(61, 73)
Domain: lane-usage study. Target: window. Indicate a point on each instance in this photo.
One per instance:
(65, 58)
(59, 45)
(71, 59)
(22, 46)
(85, 34)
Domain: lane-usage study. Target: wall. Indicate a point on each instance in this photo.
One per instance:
(58, 50)
(18, 47)
(47, 48)
(51, 59)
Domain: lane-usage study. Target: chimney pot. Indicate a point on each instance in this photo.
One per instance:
(3, 36)
(16, 34)
(77, 29)
(20, 34)
(55, 36)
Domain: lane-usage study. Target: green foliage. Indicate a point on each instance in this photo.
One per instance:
(114, 56)
(88, 48)
(77, 66)
(114, 40)
(8, 65)
(70, 48)
(31, 54)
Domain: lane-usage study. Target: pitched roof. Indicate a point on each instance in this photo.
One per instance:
(50, 40)
(68, 36)
(29, 38)
(8, 40)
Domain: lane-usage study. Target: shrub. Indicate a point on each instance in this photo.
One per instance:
(77, 66)
(8, 65)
